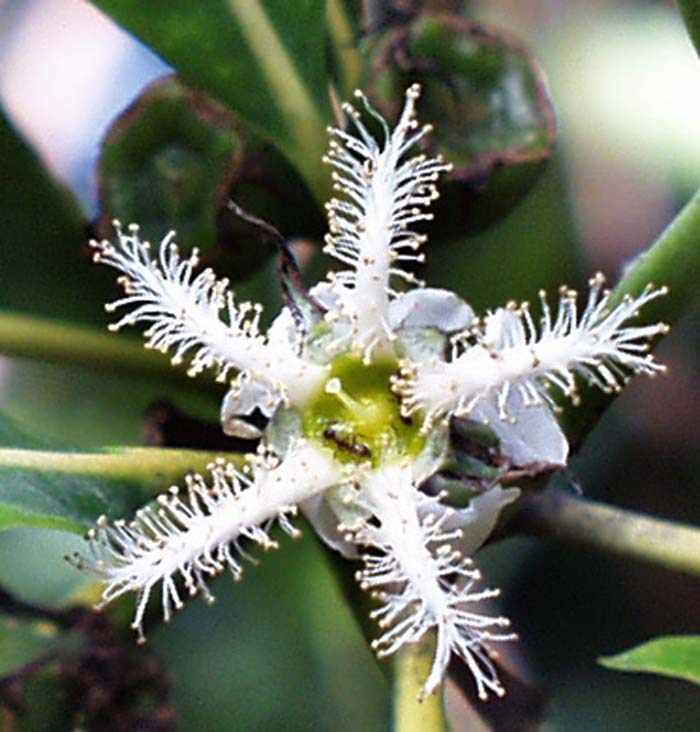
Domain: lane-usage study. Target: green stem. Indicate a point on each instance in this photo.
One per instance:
(552, 514)
(673, 260)
(408, 668)
(46, 340)
(411, 667)
(130, 464)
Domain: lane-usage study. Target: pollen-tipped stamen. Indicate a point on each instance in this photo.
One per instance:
(183, 313)
(422, 582)
(369, 227)
(508, 352)
(198, 533)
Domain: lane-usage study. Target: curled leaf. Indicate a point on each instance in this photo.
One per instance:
(177, 159)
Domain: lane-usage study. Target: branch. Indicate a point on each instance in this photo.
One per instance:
(122, 463)
(552, 514)
(46, 340)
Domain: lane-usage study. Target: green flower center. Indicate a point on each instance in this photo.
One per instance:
(357, 415)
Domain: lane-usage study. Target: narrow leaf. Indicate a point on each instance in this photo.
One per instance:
(675, 656)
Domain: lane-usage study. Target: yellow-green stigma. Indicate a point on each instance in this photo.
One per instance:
(357, 415)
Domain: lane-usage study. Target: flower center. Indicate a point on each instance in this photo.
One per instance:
(357, 415)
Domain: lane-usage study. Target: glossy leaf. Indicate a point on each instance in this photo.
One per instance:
(264, 59)
(690, 10)
(64, 490)
(486, 94)
(43, 234)
(534, 248)
(675, 656)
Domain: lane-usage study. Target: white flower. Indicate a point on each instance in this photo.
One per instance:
(340, 445)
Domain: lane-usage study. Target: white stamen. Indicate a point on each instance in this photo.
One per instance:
(183, 313)
(423, 582)
(369, 227)
(198, 535)
(508, 352)
(415, 546)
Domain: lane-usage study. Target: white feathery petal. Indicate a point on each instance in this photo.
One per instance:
(532, 434)
(430, 307)
(197, 534)
(422, 581)
(370, 226)
(478, 519)
(322, 514)
(415, 549)
(511, 353)
(183, 312)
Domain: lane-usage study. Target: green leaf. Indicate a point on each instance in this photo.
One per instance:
(675, 656)
(53, 341)
(487, 97)
(66, 490)
(45, 264)
(343, 31)
(531, 249)
(690, 10)
(285, 627)
(265, 59)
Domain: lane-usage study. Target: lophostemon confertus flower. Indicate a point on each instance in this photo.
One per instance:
(360, 380)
